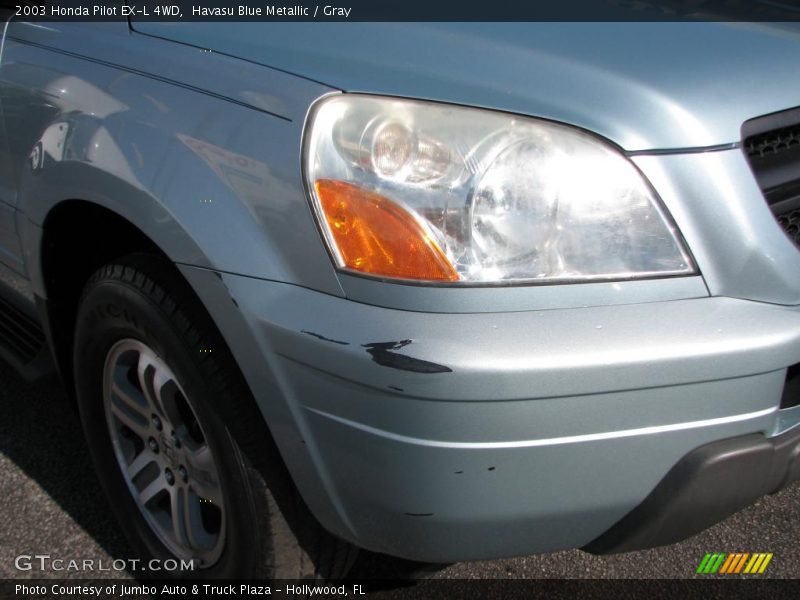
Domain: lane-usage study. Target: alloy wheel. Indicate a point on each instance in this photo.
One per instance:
(163, 453)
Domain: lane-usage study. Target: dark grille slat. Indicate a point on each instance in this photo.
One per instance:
(791, 225)
(772, 142)
(772, 146)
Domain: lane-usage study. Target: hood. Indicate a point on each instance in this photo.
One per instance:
(642, 85)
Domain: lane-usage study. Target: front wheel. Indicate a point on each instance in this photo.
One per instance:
(180, 447)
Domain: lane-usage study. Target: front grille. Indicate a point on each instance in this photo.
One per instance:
(772, 146)
(790, 222)
(772, 142)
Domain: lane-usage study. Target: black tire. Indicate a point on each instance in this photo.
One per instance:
(268, 532)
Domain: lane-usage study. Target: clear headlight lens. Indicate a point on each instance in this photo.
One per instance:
(431, 192)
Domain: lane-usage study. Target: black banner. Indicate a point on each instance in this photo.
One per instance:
(408, 10)
(500, 589)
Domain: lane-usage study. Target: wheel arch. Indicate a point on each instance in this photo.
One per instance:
(67, 258)
(76, 238)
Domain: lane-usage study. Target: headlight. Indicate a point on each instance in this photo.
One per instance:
(432, 192)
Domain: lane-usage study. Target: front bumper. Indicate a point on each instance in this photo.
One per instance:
(448, 437)
(705, 486)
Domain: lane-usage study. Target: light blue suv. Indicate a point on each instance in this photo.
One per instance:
(441, 291)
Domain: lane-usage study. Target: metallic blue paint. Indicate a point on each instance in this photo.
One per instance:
(642, 85)
(198, 144)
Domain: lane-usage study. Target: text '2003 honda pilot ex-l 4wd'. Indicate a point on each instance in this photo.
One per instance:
(440, 291)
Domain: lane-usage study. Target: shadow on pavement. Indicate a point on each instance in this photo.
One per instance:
(40, 432)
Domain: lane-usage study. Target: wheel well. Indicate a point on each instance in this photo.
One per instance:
(80, 237)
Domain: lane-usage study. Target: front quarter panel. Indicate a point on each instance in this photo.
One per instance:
(210, 174)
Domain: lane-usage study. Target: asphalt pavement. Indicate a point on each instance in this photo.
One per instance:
(52, 504)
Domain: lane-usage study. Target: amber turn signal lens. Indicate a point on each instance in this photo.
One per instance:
(377, 236)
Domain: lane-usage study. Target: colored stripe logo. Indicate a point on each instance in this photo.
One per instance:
(732, 564)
